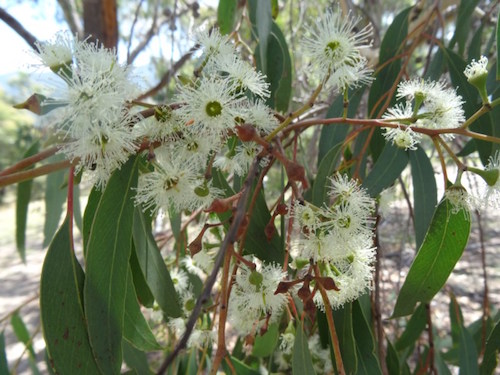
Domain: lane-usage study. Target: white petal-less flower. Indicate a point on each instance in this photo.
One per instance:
(440, 107)
(347, 191)
(492, 193)
(213, 43)
(476, 68)
(460, 199)
(333, 46)
(259, 115)
(172, 184)
(243, 75)
(210, 105)
(403, 138)
(58, 51)
(252, 296)
(180, 280)
(100, 146)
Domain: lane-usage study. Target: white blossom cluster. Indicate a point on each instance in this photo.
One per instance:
(338, 238)
(92, 120)
(253, 299)
(334, 49)
(428, 104)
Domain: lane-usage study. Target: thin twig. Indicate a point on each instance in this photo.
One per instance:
(18, 28)
(229, 239)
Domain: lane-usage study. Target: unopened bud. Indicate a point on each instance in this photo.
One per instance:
(269, 230)
(246, 132)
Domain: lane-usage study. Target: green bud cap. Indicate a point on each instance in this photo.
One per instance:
(256, 278)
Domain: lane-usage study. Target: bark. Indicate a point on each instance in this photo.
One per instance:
(100, 22)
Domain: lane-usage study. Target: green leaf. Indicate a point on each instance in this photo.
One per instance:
(226, 14)
(476, 44)
(387, 168)
(344, 327)
(498, 47)
(22, 333)
(390, 47)
(88, 216)
(264, 22)
(153, 266)
(107, 263)
(333, 134)
(442, 247)
(256, 241)
(55, 196)
(424, 192)
(301, 356)
(22, 203)
(462, 25)
(326, 168)
(241, 368)
(392, 360)
(136, 329)
(468, 359)
(365, 343)
(264, 345)
(142, 290)
(61, 309)
(135, 359)
(278, 69)
(4, 367)
(413, 329)
(490, 357)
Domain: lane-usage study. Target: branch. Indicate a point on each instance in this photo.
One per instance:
(229, 239)
(169, 74)
(18, 28)
(71, 16)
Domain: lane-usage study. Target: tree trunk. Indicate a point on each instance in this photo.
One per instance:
(100, 22)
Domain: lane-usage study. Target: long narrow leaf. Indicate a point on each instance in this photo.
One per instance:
(61, 308)
(442, 248)
(107, 264)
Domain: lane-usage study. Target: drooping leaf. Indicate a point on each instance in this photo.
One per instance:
(226, 14)
(88, 216)
(142, 290)
(413, 329)
(490, 357)
(55, 196)
(256, 240)
(4, 367)
(462, 26)
(265, 345)
(442, 247)
(424, 192)
(264, 21)
(390, 47)
(135, 359)
(107, 264)
(22, 334)
(22, 203)
(136, 329)
(476, 44)
(498, 47)
(61, 308)
(392, 360)
(325, 170)
(468, 359)
(344, 327)
(386, 169)
(241, 368)
(153, 266)
(301, 356)
(278, 69)
(368, 362)
(333, 134)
